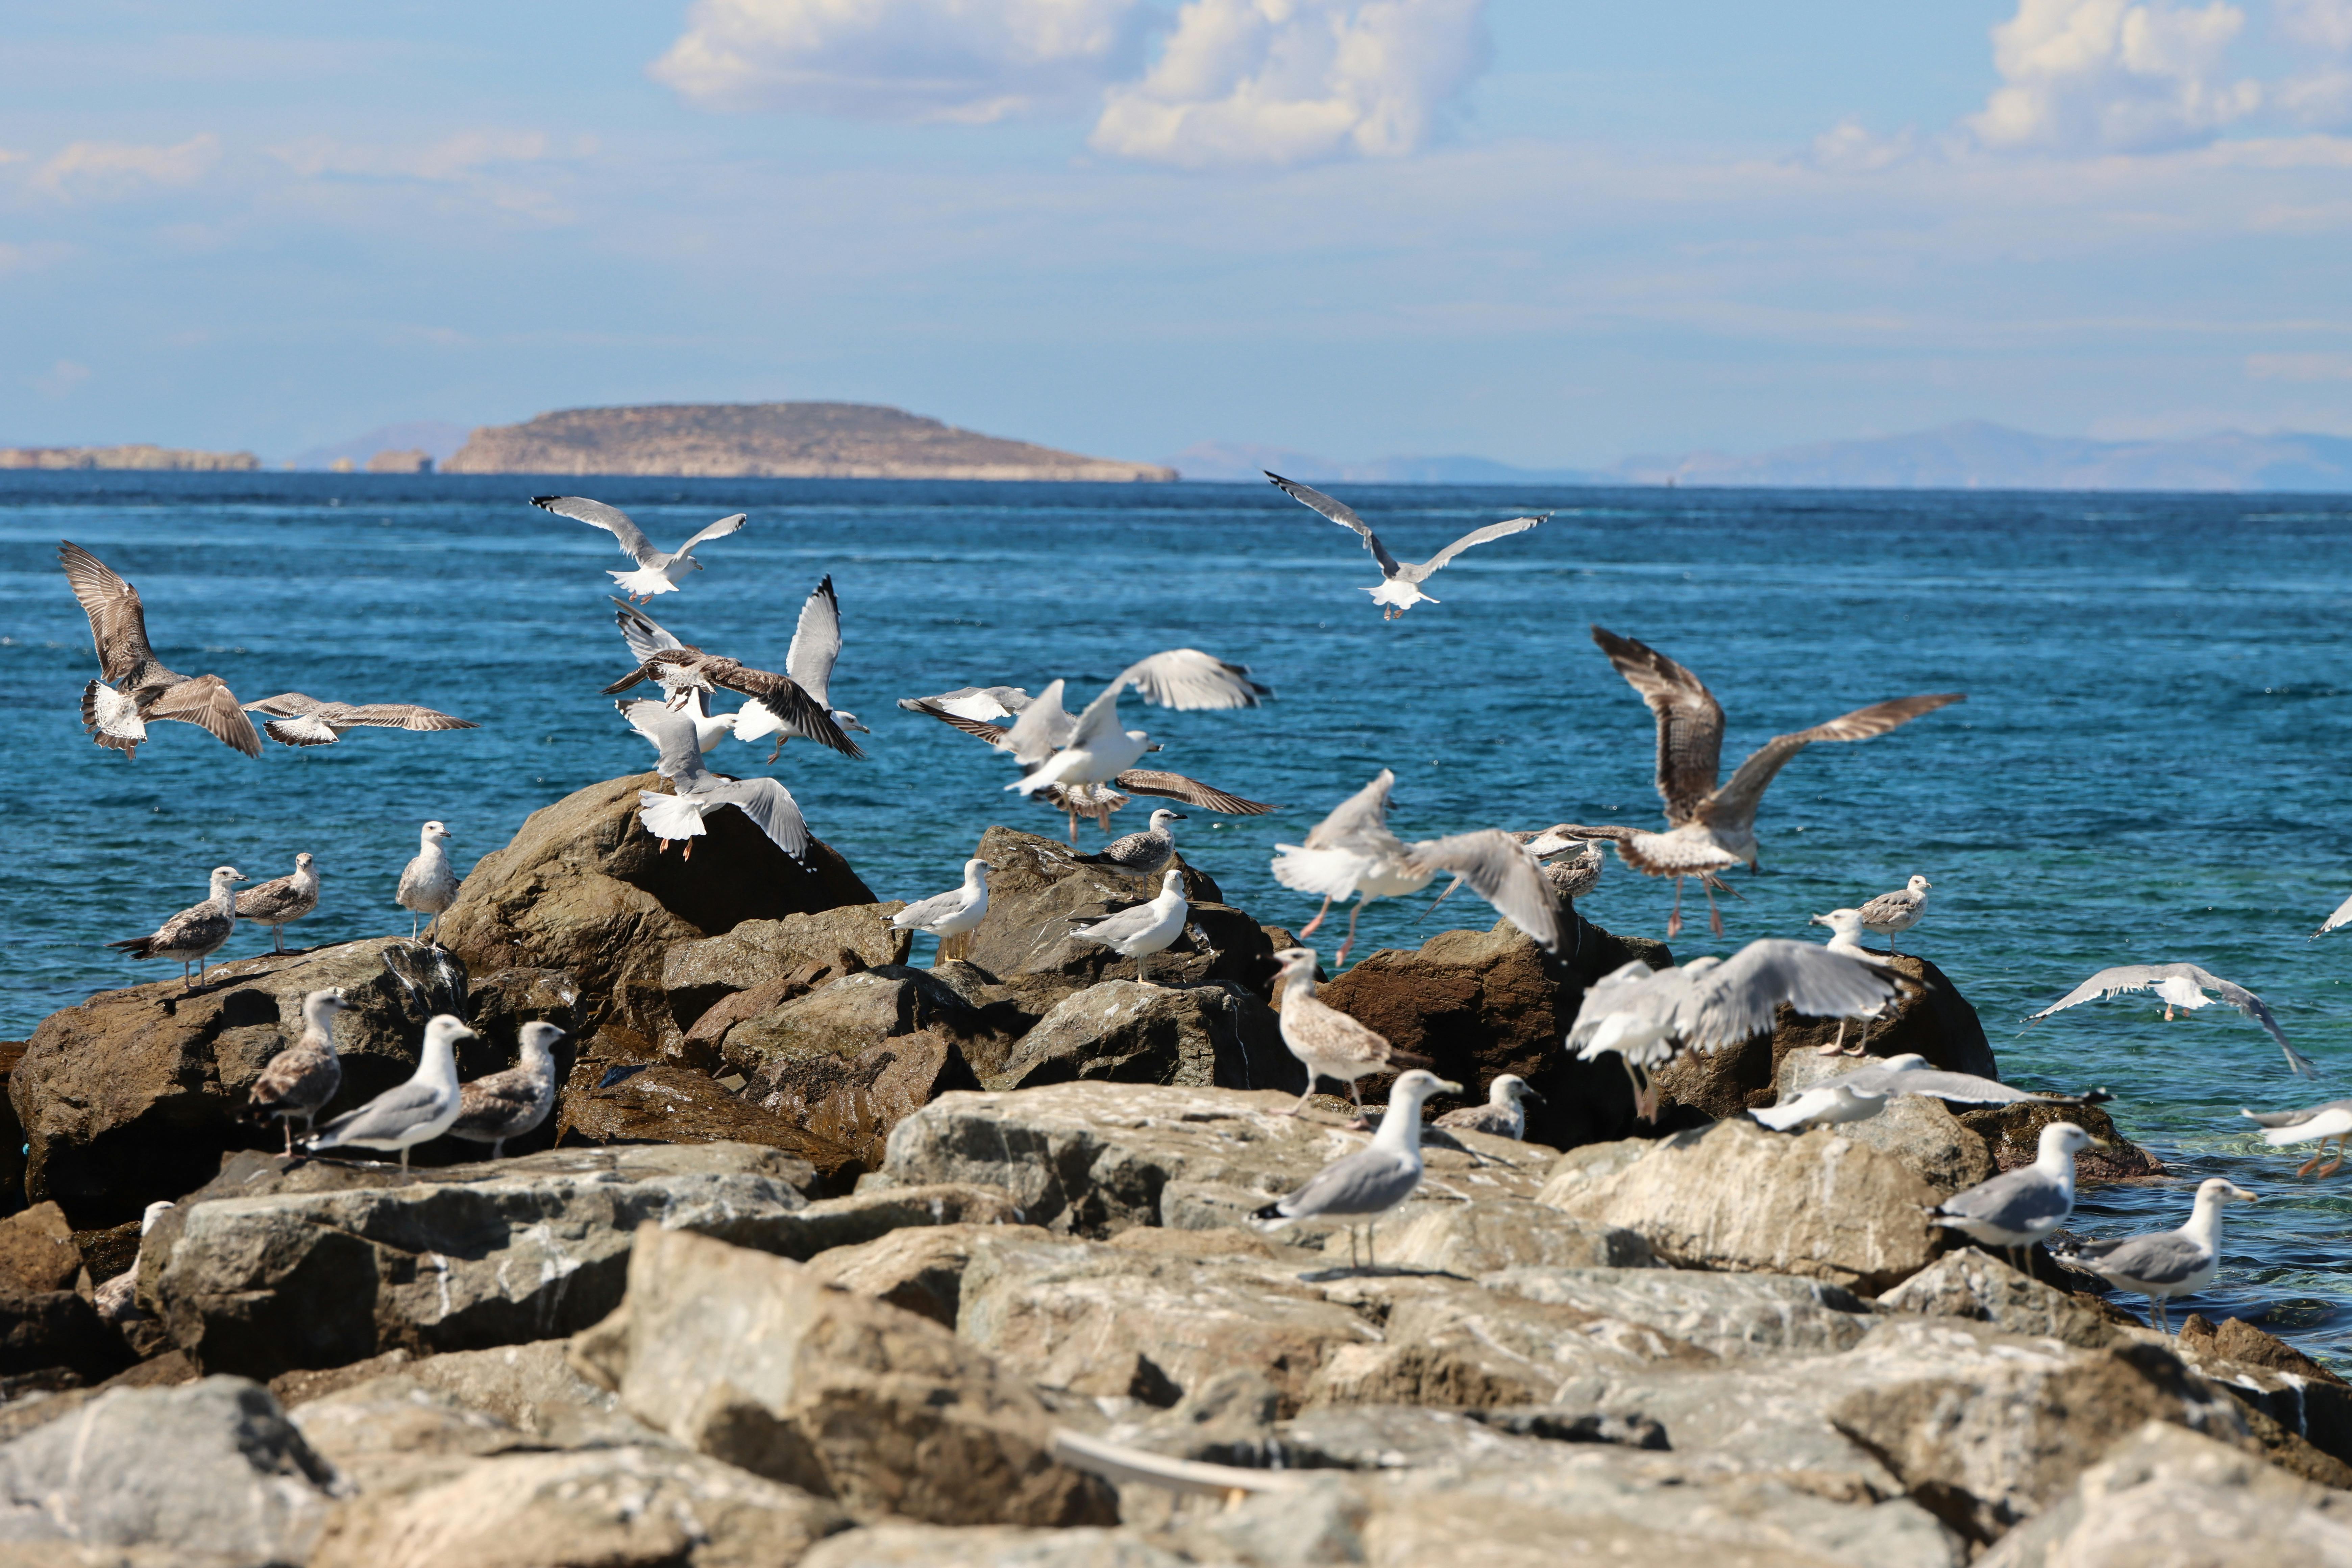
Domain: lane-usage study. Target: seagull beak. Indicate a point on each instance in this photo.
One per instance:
(2099, 1142)
(1449, 1087)
(1530, 1094)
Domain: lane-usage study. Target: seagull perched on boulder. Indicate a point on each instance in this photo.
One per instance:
(504, 1105)
(303, 1078)
(196, 932)
(1143, 854)
(1330, 1042)
(281, 901)
(2020, 1207)
(1371, 1181)
(1505, 1114)
(1859, 1095)
(1146, 929)
(2167, 1263)
(2182, 986)
(1891, 913)
(657, 570)
(429, 883)
(134, 688)
(1398, 588)
(411, 1113)
(953, 912)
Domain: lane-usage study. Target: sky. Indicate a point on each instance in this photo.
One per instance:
(1550, 232)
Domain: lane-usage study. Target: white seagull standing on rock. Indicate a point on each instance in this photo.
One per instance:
(413, 1112)
(1891, 913)
(1399, 589)
(953, 912)
(1846, 938)
(2169, 1263)
(1373, 1181)
(1146, 929)
(281, 901)
(657, 570)
(2018, 1208)
(1144, 854)
(196, 932)
(428, 884)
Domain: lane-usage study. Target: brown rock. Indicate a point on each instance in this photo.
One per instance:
(654, 1103)
(45, 1321)
(857, 1101)
(919, 1270)
(1210, 1036)
(1495, 1232)
(2013, 1135)
(803, 950)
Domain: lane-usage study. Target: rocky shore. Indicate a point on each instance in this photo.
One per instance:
(827, 1259)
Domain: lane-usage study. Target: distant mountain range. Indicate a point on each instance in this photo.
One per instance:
(1970, 456)
(437, 438)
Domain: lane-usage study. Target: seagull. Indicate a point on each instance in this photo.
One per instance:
(817, 644)
(2182, 986)
(134, 688)
(1146, 929)
(1505, 1114)
(1095, 750)
(1711, 829)
(196, 932)
(1400, 581)
(1651, 1016)
(686, 673)
(979, 711)
(2343, 916)
(509, 1104)
(1141, 854)
(951, 913)
(117, 1300)
(280, 902)
(1861, 1094)
(2333, 1120)
(413, 1112)
(2167, 1263)
(299, 721)
(657, 572)
(1371, 1181)
(1330, 1042)
(699, 791)
(1351, 851)
(1845, 937)
(1571, 876)
(301, 1079)
(1899, 910)
(646, 638)
(428, 884)
(2018, 1208)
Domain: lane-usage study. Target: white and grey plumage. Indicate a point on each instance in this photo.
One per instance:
(953, 912)
(1648, 1018)
(1859, 1095)
(646, 637)
(503, 1105)
(1146, 929)
(769, 805)
(428, 884)
(2018, 1208)
(134, 688)
(817, 646)
(2182, 986)
(686, 673)
(1330, 1042)
(1352, 853)
(657, 572)
(196, 932)
(1144, 854)
(2342, 917)
(303, 1078)
(1845, 937)
(280, 902)
(413, 1112)
(299, 721)
(1711, 829)
(117, 1300)
(1572, 865)
(2281, 1128)
(2167, 1263)
(1096, 749)
(1367, 1183)
(1890, 915)
(1505, 1114)
(1400, 586)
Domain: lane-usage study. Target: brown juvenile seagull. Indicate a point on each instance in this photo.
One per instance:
(301, 1079)
(684, 672)
(196, 932)
(134, 687)
(1330, 1042)
(509, 1104)
(1712, 829)
(279, 903)
(299, 721)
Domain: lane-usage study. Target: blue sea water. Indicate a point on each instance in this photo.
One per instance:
(2150, 765)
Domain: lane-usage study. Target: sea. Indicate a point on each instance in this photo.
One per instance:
(2150, 766)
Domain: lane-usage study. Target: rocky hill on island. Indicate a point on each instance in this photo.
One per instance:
(771, 440)
(138, 455)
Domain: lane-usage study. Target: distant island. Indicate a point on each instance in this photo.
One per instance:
(770, 440)
(137, 455)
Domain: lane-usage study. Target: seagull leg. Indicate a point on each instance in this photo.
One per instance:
(684, 854)
(1675, 919)
(404, 1158)
(1714, 915)
(777, 753)
(1371, 1248)
(2156, 1309)
(278, 939)
(286, 1123)
(2335, 1164)
(1362, 1124)
(1310, 928)
(2309, 1165)
(1300, 1109)
(1835, 1047)
(1862, 1050)
(1354, 915)
(2167, 1012)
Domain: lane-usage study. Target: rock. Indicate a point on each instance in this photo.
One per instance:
(45, 1321)
(842, 1019)
(1921, 1132)
(1483, 1003)
(1496, 1233)
(803, 950)
(750, 1359)
(855, 1100)
(207, 1472)
(533, 1387)
(2013, 1132)
(1590, 1162)
(930, 1546)
(2238, 1341)
(2279, 1385)
(382, 1430)
(625, 1507)
(1208, 1036)
(1728, 1315)
(12, 1131)
(135, 1095)
(1934, 1020)
(1737, 1196)
(2167, 1496)
(654, 1103)
(917, 1270)
(1973, 1284)
(583, 888)
(272, 1268)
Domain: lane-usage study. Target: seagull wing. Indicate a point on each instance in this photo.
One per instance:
(674, 737)
(1690, 722)
(816, 643)
(1099, 720)
(1736, 998)
(1624, 989)
(2114, 982)
(1362, 815)
(2278, 1119)
(2254, 1007)
(785, 699)
(1191, 791)
(2166, 1257)
(118, 622)
(771, 806)
(2343, 916)
(1043, 728)
(1185, 677)
(393, 1112)
(1338, 512)
(1493, 531)
(404, 715)
(1735, 803)
(1499, 870)
(1370, 1181)
(291, 705)
(643, 634)
(611, 519)
(720, 530)
(989, 702)
(996, 735)
(206, 701)
(1965, 1088)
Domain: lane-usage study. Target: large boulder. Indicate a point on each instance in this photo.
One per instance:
(1483, 1003)
(611, 1102)
(750, 1359)
(2013, 1134)
(45, 1321)
(777, 959)
(1735, 1196)
(583, 888)
(1933, 1143)
(1207, 1036)
(1971, 1283)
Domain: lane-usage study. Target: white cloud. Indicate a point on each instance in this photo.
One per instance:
(64, 379)
(2324, 24)
(973, 60)
(2321, 97)
(1285, 81)
(2109, 75)
(1852, 148)
(98, 170)
(454, 158)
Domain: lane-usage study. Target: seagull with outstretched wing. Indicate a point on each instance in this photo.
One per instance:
(646, 637)
(816, 646)
(657, 570)
(1859, 1095)
(2183, 988)
(295, 720)
(134, 688)
(1400, 586)
(699, 791)
(687, 672)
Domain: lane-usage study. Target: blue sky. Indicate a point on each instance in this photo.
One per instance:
(1546, 231)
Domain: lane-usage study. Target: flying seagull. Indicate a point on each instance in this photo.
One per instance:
(196, 932)
(2019, 1207)
(1711, 829)
(1352, 853)
(2333, 1120)
(646, 637)
(2183, 987)
(657, 572)
(817, 644)
(2343, 916)
(299, 721)
(1572, 875)
(1400, 581)
(1859, 1095)
(686, 673)
(2169, 1263)
(1367, 1183)
(767, 803)
(135, 688)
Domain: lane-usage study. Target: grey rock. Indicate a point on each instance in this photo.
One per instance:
(1207, 1036)
(1969, 1283)
(377, 1432)
(930, 1546)
(842, 1018)
(1732, 1315)
(918, 1270)
(1494, 1233)
(697, 974)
